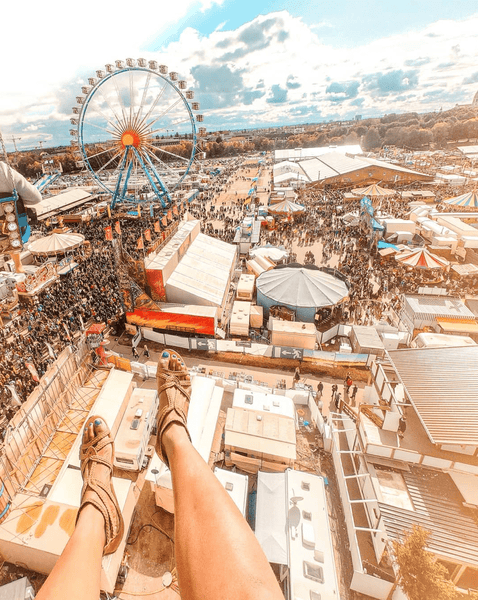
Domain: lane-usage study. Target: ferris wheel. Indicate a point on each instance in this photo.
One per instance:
(135, 130)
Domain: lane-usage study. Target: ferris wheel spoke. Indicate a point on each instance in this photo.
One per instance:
(118, 119)
(175, 155)
(110, 161)
(99, 153)
(174, 124)
(161, 115)
(153, 106)
(103, 129)
(143, 100)
(107, 119)
(131, 96)
(118, 94)
(156, 158)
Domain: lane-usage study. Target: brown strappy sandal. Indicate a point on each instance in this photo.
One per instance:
(174, 409)
(105, 501)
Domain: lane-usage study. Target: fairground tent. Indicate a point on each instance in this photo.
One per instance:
(297, 287)
(286, 207)
(421, 258)
(56, 243)
(470, 200)
(374, 191)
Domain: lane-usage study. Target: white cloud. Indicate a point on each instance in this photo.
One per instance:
(276, 66)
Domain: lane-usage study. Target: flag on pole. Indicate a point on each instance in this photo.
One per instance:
(67, 332)
(15, 399)
(51, 352)
(139, 211)
(34, 373)
(170, 215)
(147, 235)
(164, 221)
(175, 210)
(109, 233)
(109, 211)
(157, 227)
(140, 245)
(118, 227)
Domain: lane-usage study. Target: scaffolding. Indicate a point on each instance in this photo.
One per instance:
(40, 436)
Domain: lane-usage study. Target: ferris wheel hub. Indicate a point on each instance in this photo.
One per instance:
(130, 138)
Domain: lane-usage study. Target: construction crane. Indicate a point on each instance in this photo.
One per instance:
(15, 140)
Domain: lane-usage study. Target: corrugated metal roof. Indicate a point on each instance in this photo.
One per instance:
(271, 434)
(442, 384)
(333, 163)
(438, 507)
(429, 307)
(462, 325)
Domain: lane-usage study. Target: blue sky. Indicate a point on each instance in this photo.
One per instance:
(344, 23)
(251, 63)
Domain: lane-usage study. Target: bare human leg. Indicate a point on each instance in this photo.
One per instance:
(217, 554)
(76, 575)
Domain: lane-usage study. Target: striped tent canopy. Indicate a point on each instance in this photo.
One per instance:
(56, 243)
(470, 199)
(374, 191)
(286, 207)
(421, 258)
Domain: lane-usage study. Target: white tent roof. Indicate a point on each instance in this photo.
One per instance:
(302, 287)
(271, 516)
(273, 252)
(56, 243)
(203, 275)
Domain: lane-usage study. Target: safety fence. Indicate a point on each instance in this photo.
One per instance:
(254, 349)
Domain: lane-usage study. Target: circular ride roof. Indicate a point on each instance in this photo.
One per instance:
(56, 243)
(302, 287)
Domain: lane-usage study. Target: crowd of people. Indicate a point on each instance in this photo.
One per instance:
(90, 291)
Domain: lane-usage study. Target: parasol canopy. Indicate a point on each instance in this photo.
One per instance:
(373, 191)
(56, 243)
(421, 258)
(286, 207)
(470, 199)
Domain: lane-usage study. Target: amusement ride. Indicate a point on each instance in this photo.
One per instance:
(128, 123)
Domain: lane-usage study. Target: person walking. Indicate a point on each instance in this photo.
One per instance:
(146, 351)
(135, 352)
(320, 389)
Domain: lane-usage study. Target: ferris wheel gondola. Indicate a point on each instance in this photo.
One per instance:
(135, 130)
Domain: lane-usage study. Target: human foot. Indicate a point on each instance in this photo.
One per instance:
(96, 455)
(174, 389)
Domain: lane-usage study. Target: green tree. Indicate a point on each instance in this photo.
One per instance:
(371, 139)
(420, 576)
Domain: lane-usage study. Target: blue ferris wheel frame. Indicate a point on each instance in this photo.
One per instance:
(120, 192)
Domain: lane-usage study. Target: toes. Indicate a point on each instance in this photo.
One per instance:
(90, 432)
(182, 366)
(164, 360)
(99, 426)
(173, 363)
(86, 435)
